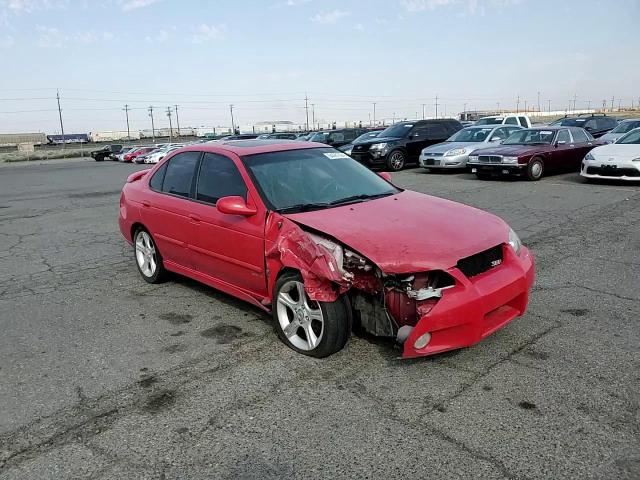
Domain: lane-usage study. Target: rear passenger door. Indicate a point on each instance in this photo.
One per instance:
(562, 157)
(166, 211)
(582, 144)
(226, 247)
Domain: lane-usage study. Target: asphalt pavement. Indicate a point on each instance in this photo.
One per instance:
(103, 376)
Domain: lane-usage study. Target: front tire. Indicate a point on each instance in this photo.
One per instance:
(396, 161)
(148, 258)
(535, 169)
(316, 329)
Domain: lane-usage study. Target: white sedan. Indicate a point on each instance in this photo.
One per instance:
(616, 161)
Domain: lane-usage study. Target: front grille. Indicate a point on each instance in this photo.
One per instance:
(613, 172)
(434, 154)
(490, 159)
(431, 161)
(481, 262)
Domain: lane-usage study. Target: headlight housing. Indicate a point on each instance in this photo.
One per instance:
(514, 241)
(378, 146)
(455, 151)
(510, 160)
(588, 157)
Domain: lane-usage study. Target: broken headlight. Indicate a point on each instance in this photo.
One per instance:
(514, 241)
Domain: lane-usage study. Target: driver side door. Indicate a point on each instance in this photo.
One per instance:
(228, 248)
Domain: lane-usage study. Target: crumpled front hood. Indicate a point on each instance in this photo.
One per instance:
(409, 232)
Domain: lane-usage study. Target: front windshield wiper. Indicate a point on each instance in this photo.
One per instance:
(359, 198)
(303, 207)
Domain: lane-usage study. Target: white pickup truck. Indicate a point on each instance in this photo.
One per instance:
(521, 120)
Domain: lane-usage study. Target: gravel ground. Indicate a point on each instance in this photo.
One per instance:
(105, 376)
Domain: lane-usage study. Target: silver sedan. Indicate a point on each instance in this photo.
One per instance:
(454, 153)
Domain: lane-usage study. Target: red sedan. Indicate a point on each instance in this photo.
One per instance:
(132, 155)
(304, 231)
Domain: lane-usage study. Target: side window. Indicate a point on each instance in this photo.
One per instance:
(436, 132)
(563, 137)
(349, 135)
(579, 136)
(336, 137)
(499, 134)
(219, 177)
(156, 181)
(523, 122)
(419, 131)
(590, 124)
(179, 174)
(511, 121)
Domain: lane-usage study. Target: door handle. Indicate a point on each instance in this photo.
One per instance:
(146, 203)
(194, 218)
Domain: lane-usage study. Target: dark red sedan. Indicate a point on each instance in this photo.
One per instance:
(302, 230)
(533, 152)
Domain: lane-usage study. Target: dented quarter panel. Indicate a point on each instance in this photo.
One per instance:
(409, 232)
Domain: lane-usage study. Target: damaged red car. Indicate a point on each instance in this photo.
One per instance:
(305, 232)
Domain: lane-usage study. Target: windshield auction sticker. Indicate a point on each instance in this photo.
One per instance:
(335, 155)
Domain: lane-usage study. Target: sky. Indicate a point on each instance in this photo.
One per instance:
(265, 56)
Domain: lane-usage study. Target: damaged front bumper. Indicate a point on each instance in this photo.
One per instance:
(475, 307)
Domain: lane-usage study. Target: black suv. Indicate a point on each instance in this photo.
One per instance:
(106, 151)
(596, 125)
(402, 142)
(337, 138)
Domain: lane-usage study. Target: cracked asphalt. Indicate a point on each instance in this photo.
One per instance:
(103, 376)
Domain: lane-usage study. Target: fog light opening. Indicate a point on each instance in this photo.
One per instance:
(422, 341)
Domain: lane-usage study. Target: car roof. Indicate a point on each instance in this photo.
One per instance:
(254, 146)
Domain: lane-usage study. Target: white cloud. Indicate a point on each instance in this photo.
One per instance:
(50, 37)
(6, 41)
(28, 6)
(329, 17)
(204, 33)
(472, 6)
(128, 5)
(160, 37)
(359, 27)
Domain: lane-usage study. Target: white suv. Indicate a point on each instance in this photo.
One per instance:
(520, 120)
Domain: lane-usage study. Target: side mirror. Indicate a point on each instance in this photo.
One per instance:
(235, 205)
(560, 142)
(385, 175)
(496, 140)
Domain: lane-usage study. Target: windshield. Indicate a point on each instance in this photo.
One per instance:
(310, 179)
(626, 127)
(366, 136)
(630, 138)
(530, 137)
(490, 121)
(471, 134)
(400, 130)
(320, 137)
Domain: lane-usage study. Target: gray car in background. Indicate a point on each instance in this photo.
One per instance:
(624, 127)
(454, 153)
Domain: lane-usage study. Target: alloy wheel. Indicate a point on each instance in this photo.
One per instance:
(300, 318)
(146, 254)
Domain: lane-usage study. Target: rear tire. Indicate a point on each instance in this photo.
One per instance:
(316, 329)
(148, 258)
(535, 169)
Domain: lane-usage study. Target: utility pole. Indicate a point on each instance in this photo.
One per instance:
(423, 105)
(604, 105)
(436, 106)
(613, 97)
(588, 104)
(153, 127)
(60, 115)
(374, 114)
(498, 105)
(574, 101)
(525, 106)
(170, 125)
(549, 101)
(306, 107)
(126, 112)
(233, 124)
(177, 121)
(538, 100)
(518, 104)
(619, 104)
(313, 115)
